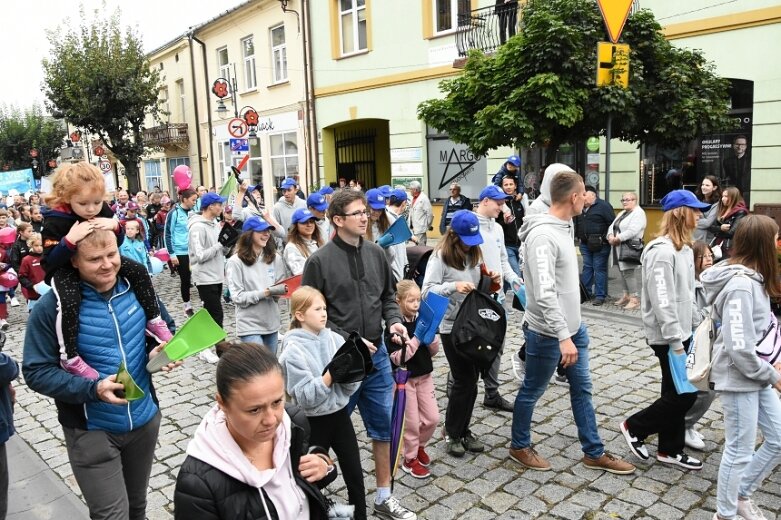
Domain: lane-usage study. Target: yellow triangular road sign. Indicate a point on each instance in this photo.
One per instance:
(615, 13)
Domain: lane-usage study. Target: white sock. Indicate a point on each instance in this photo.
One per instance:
(383, 494)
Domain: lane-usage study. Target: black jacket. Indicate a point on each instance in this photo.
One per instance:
(448, 208)
(504, 172)
(206, 493)
(511, 229)
(595, 220)
(420, 363)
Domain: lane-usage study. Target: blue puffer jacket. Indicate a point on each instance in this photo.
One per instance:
(110, 332)
(176, 238)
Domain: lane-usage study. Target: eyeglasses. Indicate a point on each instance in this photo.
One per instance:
(627, 200)
(365, 213)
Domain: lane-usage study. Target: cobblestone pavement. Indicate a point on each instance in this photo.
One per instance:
(482, 486)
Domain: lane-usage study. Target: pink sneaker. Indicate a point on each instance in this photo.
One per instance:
(158, 330)
(79, 367)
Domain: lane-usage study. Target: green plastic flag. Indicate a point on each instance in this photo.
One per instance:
(132, 390)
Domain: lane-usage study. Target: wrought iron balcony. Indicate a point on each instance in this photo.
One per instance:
(487, 28)
(166, 134)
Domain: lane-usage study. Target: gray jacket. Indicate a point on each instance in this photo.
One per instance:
(207, 257)
(283, 212)
(741, 304)
(667, 299)
(493, 249)
(550, 270)
(708, 218)
(303, 359)
(294, 259)
(441, 279)
(255, 313)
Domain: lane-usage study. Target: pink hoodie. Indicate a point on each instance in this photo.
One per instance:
(214, 445)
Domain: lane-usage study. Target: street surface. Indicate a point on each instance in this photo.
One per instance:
(485, 486)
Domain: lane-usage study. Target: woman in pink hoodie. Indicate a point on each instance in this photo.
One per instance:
(248, 458)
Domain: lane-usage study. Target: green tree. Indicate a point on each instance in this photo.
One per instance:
(21, 131)
(98, 78)
(540, 86)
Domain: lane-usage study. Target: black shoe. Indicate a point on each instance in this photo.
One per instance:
(498, 403)
(598, 301)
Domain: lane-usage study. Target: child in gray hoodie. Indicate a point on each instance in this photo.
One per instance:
(739, 290)
(306, 351)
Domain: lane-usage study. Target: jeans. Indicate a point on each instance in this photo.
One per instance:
(269, 340)
(542, 357)
(629, 279)
(515, 264)
(374, 398)
(742, 469)
(594, 275)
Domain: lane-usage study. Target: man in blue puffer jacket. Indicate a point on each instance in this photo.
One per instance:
(110, 440)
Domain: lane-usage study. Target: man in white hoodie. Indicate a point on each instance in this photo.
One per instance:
(207, 258)
(553, 328)
(287, 205)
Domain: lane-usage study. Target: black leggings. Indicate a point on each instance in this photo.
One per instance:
(67, 288)
(211, 296)
(336, 431)
(184, 276)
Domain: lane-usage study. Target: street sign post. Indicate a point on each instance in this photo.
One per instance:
(615, 13)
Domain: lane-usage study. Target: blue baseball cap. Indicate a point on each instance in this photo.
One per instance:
(467, 227)
(255, 223)
(514, 160)
(398, 195)
(302, 215)
(317, 201)
(492, 192)
(326, 190)
(386, 190)
(680, 198)
(211, 198)
(288, 183)
(375, 198)
(253, 187)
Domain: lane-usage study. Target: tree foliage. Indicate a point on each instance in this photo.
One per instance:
(540, 86)
(23, 130)
(98, 78)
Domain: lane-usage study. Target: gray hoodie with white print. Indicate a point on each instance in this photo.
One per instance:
(207, 255)
(741, 304)
(550, 270)
(667, 298)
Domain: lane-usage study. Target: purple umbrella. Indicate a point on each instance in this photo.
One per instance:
(400, 376)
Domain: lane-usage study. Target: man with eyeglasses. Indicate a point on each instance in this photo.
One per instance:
(357, 282)
(455, 202)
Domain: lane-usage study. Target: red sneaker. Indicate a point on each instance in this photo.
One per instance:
(79, 367)
(414, 468)
(158, 330)
(423, 457)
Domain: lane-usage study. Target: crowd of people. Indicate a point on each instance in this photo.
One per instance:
(284, 398)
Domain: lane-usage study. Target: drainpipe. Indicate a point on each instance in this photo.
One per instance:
(192, 37)
(309, 77)
(195, 100)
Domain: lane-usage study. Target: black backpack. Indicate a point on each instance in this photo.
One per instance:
(480, 325)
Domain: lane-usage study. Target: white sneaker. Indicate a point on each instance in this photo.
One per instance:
(749, 511)
(519, 366)
(694, 440)
(14, 302)
(208, 356)
(390, 509)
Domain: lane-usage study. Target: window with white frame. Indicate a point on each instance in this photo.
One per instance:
(279, 53)
(447, 13)
(222, 62)
(248, 51)
(352, 25)
(181, 104)
(164, 102)
(284, 156)
(152, 175)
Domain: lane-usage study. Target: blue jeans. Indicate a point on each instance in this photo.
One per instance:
(269, 340)
(515, 264)
(542, 356)
(374, 398)
(742, 469)
(594, 275)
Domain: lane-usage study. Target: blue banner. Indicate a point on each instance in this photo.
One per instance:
(19, 180)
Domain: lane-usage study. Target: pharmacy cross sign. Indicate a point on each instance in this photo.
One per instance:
(615, 13)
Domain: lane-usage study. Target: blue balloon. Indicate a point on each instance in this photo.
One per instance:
(155, 265)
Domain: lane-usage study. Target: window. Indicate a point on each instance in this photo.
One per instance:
(164, 102)
(279, 53)
(180, 100)
(255, 164)
(248, 51)
(223, 63)
(224, 157)
(447, 13)
(352, 25)
(152, 175)
(284, 156)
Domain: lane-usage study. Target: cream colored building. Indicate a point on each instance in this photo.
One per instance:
(259, 48)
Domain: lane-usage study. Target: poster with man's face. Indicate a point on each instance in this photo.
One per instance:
(728, 157)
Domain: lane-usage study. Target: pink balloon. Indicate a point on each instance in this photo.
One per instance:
(183, 177)
(7, 236)
(8, 280)
(162, 254)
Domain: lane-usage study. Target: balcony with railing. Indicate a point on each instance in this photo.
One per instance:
(487, 28)
(167, 134)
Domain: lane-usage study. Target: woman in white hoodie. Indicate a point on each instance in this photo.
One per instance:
(249, 458)
(740, 290)
(303, 239)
